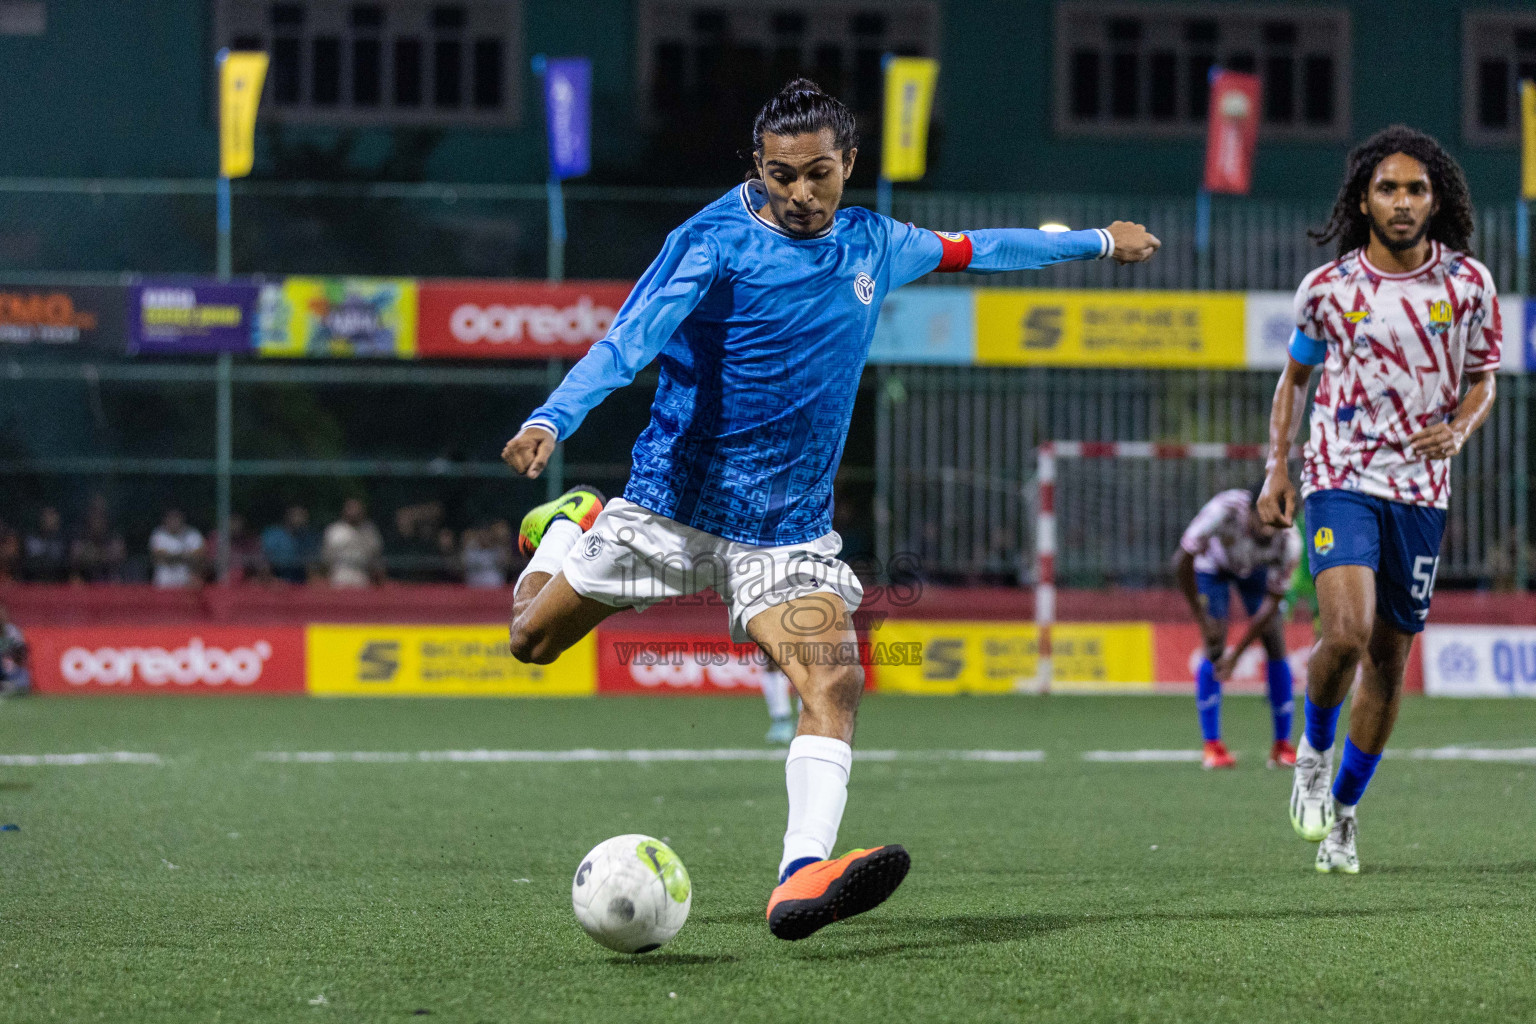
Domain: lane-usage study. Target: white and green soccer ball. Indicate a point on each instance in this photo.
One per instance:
(631, 893)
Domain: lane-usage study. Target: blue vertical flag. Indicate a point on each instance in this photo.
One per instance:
(568, 113)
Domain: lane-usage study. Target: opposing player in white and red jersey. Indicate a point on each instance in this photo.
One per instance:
(1406, 326)
(1227, 545)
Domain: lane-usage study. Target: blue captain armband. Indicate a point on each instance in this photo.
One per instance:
(1307, 351)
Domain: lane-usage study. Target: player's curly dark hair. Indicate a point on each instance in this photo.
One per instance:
(1451, 224)
(801, 108)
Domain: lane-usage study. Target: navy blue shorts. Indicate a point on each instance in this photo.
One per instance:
(1214, 586)
(1401, 543)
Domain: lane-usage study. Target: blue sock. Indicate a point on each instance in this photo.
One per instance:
(1322, 723)
(1355, 775)
(795, 865)
(1281, 700)
(1208, 700)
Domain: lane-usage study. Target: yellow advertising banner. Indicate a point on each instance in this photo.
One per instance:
(1528, 139)
(437, 661)
(339, 317)
(1026, 327)
(909, 83)
(999, 657)
(241, 74)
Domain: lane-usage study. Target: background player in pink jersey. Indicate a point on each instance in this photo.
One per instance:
(1402, 321)
(1227, 545)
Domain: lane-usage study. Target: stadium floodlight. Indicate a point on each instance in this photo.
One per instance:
(1054, 226)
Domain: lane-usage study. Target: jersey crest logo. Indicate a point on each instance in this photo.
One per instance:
(1322, 540)
(864, 288)
(1440, 318)
(1358, 316)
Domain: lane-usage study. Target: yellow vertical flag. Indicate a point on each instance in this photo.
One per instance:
(1528, 139)
(909, 85)
(241, 74)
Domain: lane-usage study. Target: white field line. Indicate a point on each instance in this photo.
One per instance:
(592, 755)
(1505, 755)
(67, 760)
(1135, 756)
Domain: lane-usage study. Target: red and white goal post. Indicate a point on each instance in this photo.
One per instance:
(1046, 537)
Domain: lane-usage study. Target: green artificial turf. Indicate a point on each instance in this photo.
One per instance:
(222, 887)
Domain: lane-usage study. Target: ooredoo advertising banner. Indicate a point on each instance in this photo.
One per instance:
(516, 319)
(167, 659)
(438, 661)
(338, 317)
(681, 663)
(191, 317)
(73, 316)
(1479, 661)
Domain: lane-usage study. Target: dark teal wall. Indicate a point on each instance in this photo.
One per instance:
(122, 89)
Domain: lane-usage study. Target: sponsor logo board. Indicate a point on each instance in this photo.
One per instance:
(1479, 661)
(1027, 327)
(1178, 651)
(926, 325)
(437, 661)
(516, 319)
(67, 316)
(1269, 319)
(167, 659)
(999, 657)
(338, 317)
(182, 317)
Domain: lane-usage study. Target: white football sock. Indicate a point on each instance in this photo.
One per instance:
(776, 692)
(1304, 748)
(816, 776)
(1343, 810)
(559, 537)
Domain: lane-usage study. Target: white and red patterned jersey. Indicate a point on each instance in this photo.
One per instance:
(1221, 539)
(1397, 346)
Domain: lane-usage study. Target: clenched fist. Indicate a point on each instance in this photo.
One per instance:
(1133, 243)
(528, 453)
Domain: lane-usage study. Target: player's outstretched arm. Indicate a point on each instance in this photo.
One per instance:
(1443, 440)
(670, 289)
(918, 251)
(1277, 501)
(1133, 243)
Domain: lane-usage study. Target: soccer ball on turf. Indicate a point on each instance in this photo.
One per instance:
(631, 893)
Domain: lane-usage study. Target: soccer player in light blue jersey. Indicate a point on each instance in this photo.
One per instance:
(760, 310)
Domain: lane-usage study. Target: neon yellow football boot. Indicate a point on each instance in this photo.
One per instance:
(580, 505)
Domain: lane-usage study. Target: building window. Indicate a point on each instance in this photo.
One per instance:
(396, 62)
(702, 54)
(1143, 69)
(1498, 51)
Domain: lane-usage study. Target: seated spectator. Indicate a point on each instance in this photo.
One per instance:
(177, 551)
(353, 551)
(487, 555)
(10, 553)
(291, 548)
(15, 677)
(446, 567)
(414, 554)
(44, 552)
(98, 551)
(245, 558)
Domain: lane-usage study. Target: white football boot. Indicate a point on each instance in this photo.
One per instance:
(1311, 799)
(1337, 852)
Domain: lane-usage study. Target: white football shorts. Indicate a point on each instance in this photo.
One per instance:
(633, 558)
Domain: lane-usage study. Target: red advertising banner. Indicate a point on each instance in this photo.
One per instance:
(686, 663)
(1233, 132)
(515, 319)
(1177, 651)
(167, 659)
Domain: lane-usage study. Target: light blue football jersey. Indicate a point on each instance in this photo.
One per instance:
(761, 338)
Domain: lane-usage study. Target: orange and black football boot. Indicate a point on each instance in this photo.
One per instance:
(831, 890)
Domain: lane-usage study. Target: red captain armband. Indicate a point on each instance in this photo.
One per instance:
(957, 252)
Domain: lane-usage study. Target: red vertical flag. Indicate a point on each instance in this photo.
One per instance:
(1234, 129)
